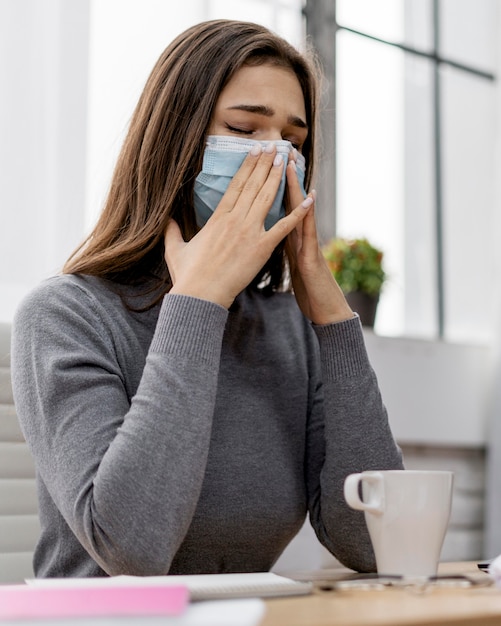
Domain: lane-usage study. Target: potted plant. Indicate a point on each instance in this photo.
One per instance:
(357, 267)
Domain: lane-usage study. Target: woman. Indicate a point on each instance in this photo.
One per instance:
(185, 409)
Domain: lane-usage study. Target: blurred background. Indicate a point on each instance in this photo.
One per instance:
(410, 160)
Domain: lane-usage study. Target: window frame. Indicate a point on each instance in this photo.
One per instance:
(322, 27)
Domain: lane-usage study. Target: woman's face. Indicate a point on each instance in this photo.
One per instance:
(262, 102)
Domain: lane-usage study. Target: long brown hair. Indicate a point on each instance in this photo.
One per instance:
(162, 154)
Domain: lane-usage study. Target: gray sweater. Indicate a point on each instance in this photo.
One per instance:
(189, 439)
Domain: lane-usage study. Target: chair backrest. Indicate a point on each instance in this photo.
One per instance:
(19, 524)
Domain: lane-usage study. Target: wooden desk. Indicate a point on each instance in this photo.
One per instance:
(472, 606)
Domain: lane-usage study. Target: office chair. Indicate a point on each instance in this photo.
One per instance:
(19, 524)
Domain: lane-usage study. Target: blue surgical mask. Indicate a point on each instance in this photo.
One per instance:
(223, 157)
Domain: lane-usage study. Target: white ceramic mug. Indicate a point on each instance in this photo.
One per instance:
(407, 513)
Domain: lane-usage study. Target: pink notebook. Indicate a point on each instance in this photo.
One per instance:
(21, 601)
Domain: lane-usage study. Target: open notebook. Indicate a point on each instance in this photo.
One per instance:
(200, 586)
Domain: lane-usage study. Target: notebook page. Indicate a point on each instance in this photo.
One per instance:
(200, 586)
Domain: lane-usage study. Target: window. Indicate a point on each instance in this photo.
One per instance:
(415, 157)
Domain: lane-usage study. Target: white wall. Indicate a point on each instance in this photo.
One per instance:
(43, 76)
(126, 38)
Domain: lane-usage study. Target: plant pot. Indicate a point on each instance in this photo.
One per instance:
(365, 305)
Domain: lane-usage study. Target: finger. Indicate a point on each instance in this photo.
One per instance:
(294, 245)
(287, 224)
(259, 208)
(173, 241)
(295, 193)
(172, 235)
(238, 181)
(309, 225)
(249, 180)
(260, 189)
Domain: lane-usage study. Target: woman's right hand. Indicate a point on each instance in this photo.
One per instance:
(228, 252)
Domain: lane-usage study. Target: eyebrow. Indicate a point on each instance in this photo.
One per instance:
(262, 109)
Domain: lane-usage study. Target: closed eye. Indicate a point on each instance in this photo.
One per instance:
(242, 131)
(245, 131)
(295, 144)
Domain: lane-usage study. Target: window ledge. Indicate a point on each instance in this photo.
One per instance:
(436, 392)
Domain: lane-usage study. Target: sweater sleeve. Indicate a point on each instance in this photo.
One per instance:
(108, 459)
(348, 432)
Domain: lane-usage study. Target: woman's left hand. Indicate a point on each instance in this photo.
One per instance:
(317, 293)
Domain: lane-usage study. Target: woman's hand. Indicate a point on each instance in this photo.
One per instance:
(228, 252)
(317, 293)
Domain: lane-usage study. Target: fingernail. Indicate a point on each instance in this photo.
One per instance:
(295, 153)
(307, 202)
(256, 149)
(293, 165)
(278, 160)
(269, 147)
(313, 193)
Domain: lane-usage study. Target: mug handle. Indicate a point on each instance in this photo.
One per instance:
(351, 492)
